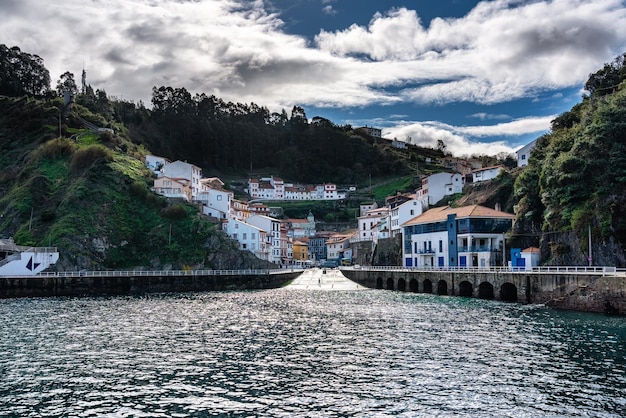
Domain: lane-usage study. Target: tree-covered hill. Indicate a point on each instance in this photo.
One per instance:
(88, 194)
(575, 183)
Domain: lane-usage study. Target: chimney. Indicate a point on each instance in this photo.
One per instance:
(498, 207)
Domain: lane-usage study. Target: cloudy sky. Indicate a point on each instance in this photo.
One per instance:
(484, 77)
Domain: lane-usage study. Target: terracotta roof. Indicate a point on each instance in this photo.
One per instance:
(473, 211)
(531, 250)
(253, 181)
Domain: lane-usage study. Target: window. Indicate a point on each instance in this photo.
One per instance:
(245, 235)
(219, 197)
(523, 156)
(440, 246)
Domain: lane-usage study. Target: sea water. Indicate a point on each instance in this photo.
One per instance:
(297, 353)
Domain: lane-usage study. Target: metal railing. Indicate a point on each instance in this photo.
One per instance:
(156, 273)
(602, 270)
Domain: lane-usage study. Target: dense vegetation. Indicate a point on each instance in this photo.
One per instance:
(575, 184)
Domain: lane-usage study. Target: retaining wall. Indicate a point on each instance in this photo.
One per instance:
(133, 285)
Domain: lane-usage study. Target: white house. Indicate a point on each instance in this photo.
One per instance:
(369, 222)
(156, 163)
(487, 173)
(181, 169)
(272, 228)
(216, 201)
(403, 213)
(531, 257)
(399, 144)
(336, 247)
(469, 236)
(523, 154)
(436, 186)
(375, 132)
(250, 237)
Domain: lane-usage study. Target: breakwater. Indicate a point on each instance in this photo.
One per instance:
(582, 289)
(93, 283)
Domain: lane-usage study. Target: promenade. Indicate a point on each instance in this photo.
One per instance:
(315, 279)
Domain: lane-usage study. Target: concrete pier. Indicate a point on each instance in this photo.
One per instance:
(324, 279)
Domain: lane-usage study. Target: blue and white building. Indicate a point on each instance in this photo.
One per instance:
(469, 236)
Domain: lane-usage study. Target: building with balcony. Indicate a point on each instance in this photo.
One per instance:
(469, 236)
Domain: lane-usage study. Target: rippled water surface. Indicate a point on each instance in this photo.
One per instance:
(307, 353)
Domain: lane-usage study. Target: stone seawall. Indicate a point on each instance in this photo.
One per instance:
(136, 285)
(573, 291)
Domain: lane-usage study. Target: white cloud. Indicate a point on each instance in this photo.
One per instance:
(463, 140)
(501, 50)
(489, 116)
(328, 10)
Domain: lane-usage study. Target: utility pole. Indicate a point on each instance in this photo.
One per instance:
(590, 256)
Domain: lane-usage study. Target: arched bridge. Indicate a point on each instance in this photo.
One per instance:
(595, 289)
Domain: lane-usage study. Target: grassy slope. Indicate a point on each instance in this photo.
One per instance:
(92, 200)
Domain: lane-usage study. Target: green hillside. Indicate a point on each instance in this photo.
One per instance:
(89, 195)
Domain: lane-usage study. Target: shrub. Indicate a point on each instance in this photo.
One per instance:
(174, 212)
(85, 157)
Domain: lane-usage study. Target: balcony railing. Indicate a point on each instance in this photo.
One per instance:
(476, 249)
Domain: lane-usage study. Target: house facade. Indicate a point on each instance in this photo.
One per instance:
(369, 223)
(216, 201)
(317, 245)
(337, 246)
(444, 237)
(172, 188)
(250, 237)
(436, 186)
(402, 214)
(181, 169)
(487, 173)
(274, 240)
(156, 163)
(523, 154)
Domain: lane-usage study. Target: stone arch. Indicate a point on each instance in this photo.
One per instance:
(379, 283)
(413, 286)
(401, 284)
(508, 292)
(466, 289)
(485, 290)
(390, 285)
(428, 286)
(442, 287)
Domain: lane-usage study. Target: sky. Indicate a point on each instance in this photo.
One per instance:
(485, 77)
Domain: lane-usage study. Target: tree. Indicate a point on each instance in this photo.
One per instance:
(606, 80)
(298, 118)
(22, 73)
(66, 83)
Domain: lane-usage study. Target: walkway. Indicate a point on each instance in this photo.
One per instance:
(315, 279)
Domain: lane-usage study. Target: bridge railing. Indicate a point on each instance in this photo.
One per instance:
(155, 273)
(601, 270)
